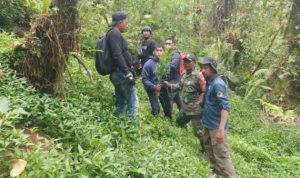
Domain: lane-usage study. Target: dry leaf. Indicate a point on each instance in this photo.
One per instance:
(18, 167)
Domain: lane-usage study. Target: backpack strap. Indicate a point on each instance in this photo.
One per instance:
(202, 81)
(181, 68)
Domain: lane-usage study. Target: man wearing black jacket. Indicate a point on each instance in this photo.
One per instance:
(122, 76)
(147, 45)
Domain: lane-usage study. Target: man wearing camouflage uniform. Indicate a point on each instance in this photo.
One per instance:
(147, 45)
(191, 86)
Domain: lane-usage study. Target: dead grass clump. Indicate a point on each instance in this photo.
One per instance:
(48, 45)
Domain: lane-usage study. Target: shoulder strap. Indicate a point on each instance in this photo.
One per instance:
(106, 35)
(202, 81)
(181, 63)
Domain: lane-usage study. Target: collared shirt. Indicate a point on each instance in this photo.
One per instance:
(191, 86)
(216, 99)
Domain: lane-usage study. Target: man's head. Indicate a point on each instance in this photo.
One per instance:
(189, 62)
(208, 66)
(170, 43)
(119, 20)
(146, 32)
(158, 51)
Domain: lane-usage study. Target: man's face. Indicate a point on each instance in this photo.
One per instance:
(207, 70)
(170, 44)
(158, 52)
(189, 65)
(146, 34)
(123, 25)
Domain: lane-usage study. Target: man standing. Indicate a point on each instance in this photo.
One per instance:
(150, 79)
(191, 87)
(147, 45)
(122, 76)
(173, 75)
(215, 119)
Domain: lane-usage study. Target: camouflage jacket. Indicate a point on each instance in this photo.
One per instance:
(191, 86)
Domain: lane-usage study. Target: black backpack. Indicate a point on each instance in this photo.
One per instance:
(104, 62)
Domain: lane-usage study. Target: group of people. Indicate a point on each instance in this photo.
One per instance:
(201, 96)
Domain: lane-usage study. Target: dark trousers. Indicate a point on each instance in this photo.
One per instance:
(174, 97)
(164, 101)
(182, 120)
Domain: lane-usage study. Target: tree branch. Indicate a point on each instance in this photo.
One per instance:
(267, 51)
(80, 60)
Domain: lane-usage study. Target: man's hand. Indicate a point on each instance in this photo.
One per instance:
(220, 135)
(129, 79)
(220, 132)
(157, 90)
(167, 84)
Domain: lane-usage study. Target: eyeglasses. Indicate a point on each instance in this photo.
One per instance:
(168, 43)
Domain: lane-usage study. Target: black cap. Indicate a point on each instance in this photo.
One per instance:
(211, 61)
(190, 57)
(118, 16)
(146, 28)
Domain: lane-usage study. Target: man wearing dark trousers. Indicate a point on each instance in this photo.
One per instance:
(150, 79)
(173, 75)
(215, 119)
(122, 76)
(192, 88)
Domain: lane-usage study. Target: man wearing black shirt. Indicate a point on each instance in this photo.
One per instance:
(147, 45)
(122, 77)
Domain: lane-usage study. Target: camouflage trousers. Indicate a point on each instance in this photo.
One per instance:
(218, 154)
(182, 120)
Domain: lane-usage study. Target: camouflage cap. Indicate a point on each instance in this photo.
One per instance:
(146, 28)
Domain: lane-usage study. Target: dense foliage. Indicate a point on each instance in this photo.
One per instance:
(16, 14)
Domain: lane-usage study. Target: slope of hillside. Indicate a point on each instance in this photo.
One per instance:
(86, 140)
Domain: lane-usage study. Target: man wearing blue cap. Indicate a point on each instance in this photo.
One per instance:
(122, 76)
(215, 119)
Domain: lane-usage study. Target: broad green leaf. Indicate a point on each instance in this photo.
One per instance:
(4, 105)
(80, 150)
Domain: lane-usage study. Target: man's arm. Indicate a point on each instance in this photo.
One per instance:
(221, 130)
(146, 72)
(222, 98)
(202, 85)
(115, 45)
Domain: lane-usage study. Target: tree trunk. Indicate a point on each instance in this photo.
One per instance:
(196, 19)
(285, 79)
(48, 45)
(222, 16)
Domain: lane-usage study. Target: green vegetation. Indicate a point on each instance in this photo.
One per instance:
(84, 139)
(88, 141)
